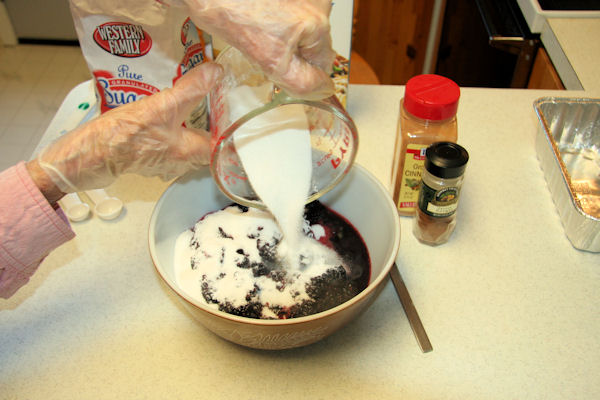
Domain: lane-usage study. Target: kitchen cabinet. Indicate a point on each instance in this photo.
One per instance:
(543, 74)
(392, 37)
(401, 39)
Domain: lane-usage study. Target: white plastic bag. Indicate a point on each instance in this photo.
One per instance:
(134, 48)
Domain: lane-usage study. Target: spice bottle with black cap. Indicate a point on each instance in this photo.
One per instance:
(441, 182)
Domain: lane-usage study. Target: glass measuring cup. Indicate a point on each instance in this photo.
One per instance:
(333, 135)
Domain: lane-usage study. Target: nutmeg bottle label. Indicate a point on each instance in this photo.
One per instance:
(438, 203)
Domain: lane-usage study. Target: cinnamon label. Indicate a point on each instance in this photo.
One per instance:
(414, 159)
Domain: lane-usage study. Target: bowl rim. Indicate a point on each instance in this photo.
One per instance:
(290, 321)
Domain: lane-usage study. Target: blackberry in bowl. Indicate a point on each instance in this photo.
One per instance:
(359, 199)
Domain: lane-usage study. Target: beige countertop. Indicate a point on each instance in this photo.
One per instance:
(571, 39)
(579, 40)
(573, 47)
(510, 306)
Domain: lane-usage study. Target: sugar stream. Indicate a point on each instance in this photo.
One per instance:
(275, 150)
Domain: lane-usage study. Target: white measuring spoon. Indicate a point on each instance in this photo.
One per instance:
(106, 207)
(74, 208)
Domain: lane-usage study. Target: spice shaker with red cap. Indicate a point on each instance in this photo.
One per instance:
(427, 115)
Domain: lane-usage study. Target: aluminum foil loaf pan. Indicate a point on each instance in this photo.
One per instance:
(568, 148)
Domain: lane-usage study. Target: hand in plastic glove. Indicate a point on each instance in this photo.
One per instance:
(289, 39)
(144, 137)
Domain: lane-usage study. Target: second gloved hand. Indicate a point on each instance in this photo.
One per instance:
(144, 137)
(289, 39)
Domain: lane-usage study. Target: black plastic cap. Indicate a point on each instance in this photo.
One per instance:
(446, 160)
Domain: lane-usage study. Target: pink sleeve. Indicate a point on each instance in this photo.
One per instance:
(29, 228)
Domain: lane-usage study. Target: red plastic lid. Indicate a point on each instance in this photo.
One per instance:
(431, 97)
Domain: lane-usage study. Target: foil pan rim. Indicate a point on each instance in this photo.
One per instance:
(582, 229)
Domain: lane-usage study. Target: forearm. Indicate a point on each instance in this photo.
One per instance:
(46, 186)
(29, 226)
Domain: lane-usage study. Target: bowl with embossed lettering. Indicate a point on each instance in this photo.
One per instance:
(360, 198)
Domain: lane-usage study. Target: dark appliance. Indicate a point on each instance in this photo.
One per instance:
(486, 43)
(569, 5)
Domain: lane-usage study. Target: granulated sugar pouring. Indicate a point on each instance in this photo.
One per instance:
(276, 153)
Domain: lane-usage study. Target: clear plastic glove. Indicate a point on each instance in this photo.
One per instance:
(289, 39)
(145, 137)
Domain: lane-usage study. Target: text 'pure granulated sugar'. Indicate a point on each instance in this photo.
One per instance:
(135, 48)
(260, 262)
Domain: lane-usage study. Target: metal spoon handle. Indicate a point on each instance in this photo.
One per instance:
(410, 310)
